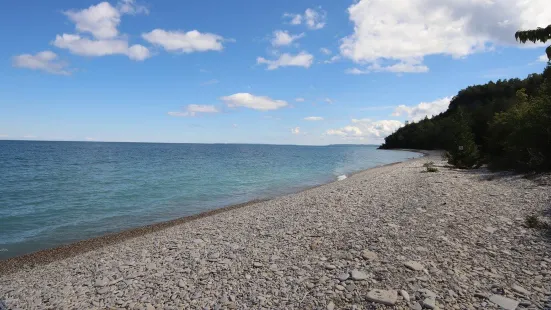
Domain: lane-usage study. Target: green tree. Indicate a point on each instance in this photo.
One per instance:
(463, 151)
(540, 34)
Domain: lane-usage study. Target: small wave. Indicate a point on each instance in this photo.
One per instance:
(341, 177)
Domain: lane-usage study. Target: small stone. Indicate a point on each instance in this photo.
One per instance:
(490, 229)
(330, 267)
(520, 290)
(339, 287)
(427, 293)
(368, 255)
(149, 307)
(413, 265)
(429, 303)
(504, 302)
(343, 277)
(358, 275)
(257, 264)
(405, 295)
(151, 266)
(416, 306)
(181, 284)
(101, 282)
(330, 306)
(384, 297)
(481, 295)
(103, 290)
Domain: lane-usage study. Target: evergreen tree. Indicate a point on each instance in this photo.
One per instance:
(463, 151)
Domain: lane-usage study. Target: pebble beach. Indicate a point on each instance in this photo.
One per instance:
(391, 237)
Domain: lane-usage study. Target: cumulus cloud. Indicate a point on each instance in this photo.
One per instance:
(192, 110)
(313, 19)
(94, 48)
(366, 130)
(303, 59)
(328, 100)
(543, 58)
(101, 21)
(45, 61)
(250, 101)
(184, 42)
(283, 38)
(423, 109)
(295, 130)
(400, 31)
(313, 118)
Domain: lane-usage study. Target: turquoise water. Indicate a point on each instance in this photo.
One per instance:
(53, 193)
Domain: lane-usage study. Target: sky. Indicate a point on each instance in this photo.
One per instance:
(311, 72)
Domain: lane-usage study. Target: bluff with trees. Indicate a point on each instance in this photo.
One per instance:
(506, 124)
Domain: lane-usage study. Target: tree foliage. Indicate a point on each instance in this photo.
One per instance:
(536, 35)
(506, 124)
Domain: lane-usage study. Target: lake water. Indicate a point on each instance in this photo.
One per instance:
(53, 193)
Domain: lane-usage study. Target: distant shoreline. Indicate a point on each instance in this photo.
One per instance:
(46, 256)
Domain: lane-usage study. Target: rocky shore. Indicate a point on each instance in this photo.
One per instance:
(393, 237)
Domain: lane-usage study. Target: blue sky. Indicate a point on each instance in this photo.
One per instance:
(284, 72)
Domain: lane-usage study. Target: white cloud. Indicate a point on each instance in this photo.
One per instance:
(46, 61)
(403, 30)
(295, 130)
(184, 42)
(366, 130)
(95, 48)
(299, 99)
(294, 19)
(283, 38)
(543, 58)
(423, 109)
(29, 137)
(4, 136)
(193, 109)
(328, 100)
(332, 59)
(356, 71)
(250, 101)
(313, 118)
(303, 59)
(235, 125)
(404, 66)
(130, 7)
(325, 51)
(101, 21)
(313, 19)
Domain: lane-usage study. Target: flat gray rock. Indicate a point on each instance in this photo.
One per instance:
(368, 255)
(504, 302)
(414, 265)
(520, 290)
(429, 303)
(343, 277)
(384, 297)
(405, 295)
(358, 275)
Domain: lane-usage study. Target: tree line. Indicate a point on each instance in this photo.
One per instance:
(506, 124)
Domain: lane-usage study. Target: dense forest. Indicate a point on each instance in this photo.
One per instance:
(506, 125)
